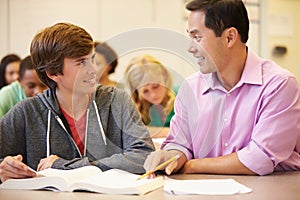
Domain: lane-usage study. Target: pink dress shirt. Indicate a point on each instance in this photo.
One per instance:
(259, 118)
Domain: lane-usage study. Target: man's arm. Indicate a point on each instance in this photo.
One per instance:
(228, 164)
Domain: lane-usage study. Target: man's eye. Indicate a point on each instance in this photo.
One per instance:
(197, 38)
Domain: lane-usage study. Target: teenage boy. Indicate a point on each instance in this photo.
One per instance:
(75, 122)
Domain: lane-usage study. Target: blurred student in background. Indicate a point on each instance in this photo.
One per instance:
(106, 60)
(27, 85)
(151, 88)
(9, 69)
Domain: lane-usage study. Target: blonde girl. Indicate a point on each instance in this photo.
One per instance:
(151, 88)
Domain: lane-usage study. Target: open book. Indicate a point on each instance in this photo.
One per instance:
(88, 178)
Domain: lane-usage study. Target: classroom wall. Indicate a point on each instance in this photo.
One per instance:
(4, 38)
(106, 20)
(134, 27)
(284, 30)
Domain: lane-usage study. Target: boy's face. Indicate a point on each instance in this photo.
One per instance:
(31, 83)
(79, 75)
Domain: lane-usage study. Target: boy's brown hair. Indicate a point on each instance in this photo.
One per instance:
(52, 45)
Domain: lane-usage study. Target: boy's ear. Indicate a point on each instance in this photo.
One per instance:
(52, 76)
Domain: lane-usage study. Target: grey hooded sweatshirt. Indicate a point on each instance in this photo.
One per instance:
(115, 134)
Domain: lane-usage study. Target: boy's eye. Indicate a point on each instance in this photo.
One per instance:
(31, 86)
(93, 58)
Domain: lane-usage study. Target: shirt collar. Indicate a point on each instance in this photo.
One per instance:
(252, 74)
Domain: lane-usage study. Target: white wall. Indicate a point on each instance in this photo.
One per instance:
(284, 30)
(4, 37)
(105, 20)
(113, 20)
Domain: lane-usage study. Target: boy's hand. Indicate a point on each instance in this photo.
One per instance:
(46, 162)
(13, 167)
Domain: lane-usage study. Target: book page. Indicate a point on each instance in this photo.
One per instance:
(116, 181)
(72, 175)
(51, 179)
(89, 178)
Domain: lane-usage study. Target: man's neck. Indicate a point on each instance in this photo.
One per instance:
(231, 74)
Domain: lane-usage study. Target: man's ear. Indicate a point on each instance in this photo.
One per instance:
(231, 35)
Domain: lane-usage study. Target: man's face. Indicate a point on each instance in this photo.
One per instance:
(205, 46)
(79, 75)
(31, 83)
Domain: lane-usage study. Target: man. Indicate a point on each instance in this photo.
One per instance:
(75, 122)
(241, 115)
(28, 85)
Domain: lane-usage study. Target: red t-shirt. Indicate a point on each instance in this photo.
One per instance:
(77, 128)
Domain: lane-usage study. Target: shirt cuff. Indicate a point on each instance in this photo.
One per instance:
(182, 149)
(256, 159)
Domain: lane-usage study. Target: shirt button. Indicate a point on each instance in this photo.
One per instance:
(226, 144)
(228, 94)
(225, 119)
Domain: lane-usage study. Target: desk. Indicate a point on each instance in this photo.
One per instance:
(275, 186)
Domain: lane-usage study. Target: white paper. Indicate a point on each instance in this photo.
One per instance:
(205, 187)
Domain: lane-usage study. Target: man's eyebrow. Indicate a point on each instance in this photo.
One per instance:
(193, 31)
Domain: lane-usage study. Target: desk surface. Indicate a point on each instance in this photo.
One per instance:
(275, 186)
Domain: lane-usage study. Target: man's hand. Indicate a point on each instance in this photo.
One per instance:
(46, 162)
(13, 167)
(158, 157)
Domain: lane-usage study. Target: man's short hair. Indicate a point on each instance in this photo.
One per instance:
(223, 14)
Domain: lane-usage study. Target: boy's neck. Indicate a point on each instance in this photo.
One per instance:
(74, 105)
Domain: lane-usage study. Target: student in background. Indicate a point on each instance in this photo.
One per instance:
(106, 60)
(241, 114)
(9, 69)
(27, 85)
(151, 88)
(76, 122)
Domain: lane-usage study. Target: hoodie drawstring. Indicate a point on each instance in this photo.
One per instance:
(99, 121)
(48, 133)
(62, 125)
